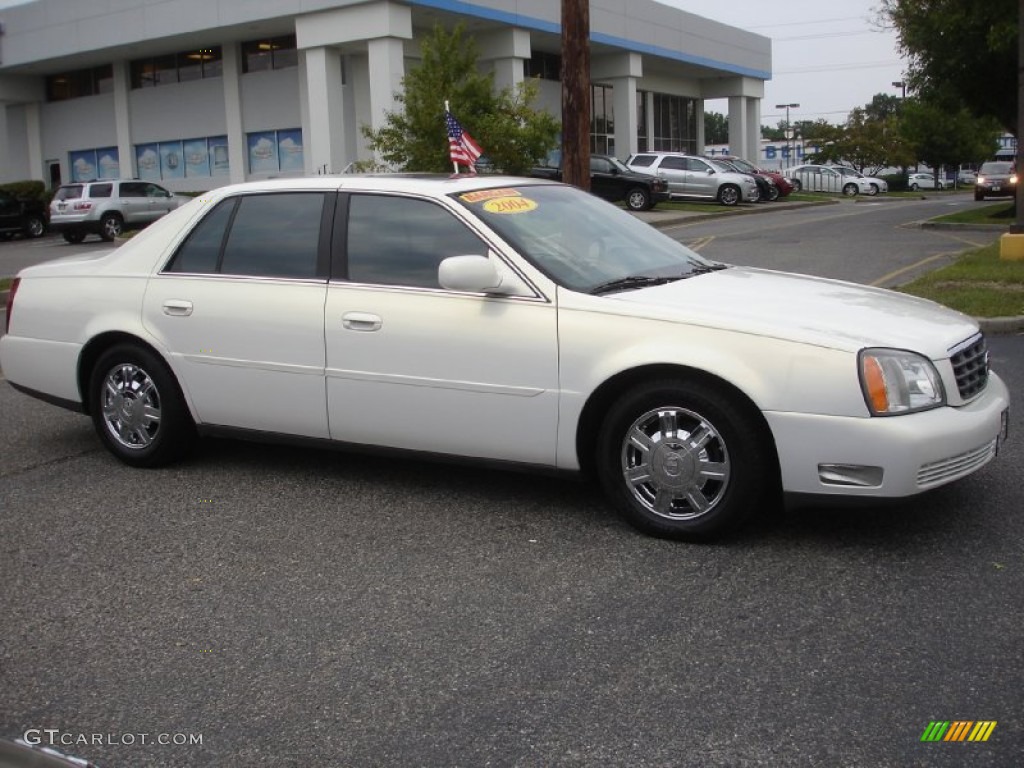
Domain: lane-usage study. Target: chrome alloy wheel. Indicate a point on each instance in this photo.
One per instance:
(675, 463)
(131, 406)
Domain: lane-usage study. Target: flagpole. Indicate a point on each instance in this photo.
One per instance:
(455, 165)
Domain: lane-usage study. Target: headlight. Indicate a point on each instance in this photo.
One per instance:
(896, 381)
(980, 180)
(1013, 179)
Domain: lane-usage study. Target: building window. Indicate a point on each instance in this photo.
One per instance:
(546, 66)
(80, 82)
(91, 164)
(675, 124)
(273, 151)
(181, 67)
(270, 53)
(182, 158)
(602, 120)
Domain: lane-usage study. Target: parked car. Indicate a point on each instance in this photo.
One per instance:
(21, 216)
(782, 185)
(822, 178)
(916, 181)
(996, 178)
(108, 207)
(505, 320)
(694, 177)
(611, 179)
(875, 184)
(966, 177)
(766, 191)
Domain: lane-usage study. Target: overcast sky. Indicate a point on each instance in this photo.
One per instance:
(828, 57)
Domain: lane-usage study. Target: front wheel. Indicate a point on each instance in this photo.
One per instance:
(797, 186)
(74, 236)
(913, 187)
(111, 226)
(637, 199)
(729, 194)
(773, 193)
(979, 196)
(680, 460)
(137, 408)
(850, 190)
(874, 190)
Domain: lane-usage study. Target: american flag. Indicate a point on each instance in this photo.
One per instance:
(461, 146)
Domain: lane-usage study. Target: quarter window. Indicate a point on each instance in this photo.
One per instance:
(402, 241)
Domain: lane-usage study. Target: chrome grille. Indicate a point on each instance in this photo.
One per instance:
(955, 466)
(970, 366)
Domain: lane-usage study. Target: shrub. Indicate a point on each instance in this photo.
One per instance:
(897, 182)
(32, 190)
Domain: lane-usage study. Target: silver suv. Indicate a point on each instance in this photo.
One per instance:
(691, 176)
(108, 207)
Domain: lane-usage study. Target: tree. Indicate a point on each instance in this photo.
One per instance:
(946, 134)
(512, 133)
(716, 128)
(966, 46)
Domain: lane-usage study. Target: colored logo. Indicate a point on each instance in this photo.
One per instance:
(510, 205)
(958, 730)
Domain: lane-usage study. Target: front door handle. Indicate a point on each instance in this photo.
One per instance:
(361, 321)
(177, 307)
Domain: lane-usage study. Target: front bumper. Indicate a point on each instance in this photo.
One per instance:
(898, 455)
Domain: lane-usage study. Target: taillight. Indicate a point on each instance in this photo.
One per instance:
(10, 300)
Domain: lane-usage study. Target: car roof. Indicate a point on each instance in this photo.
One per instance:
(430, 184)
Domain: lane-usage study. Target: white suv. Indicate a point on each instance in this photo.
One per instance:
(690, 176)
(108, 207)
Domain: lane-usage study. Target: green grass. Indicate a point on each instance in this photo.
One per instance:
(979, 284)
(999, 214)
(5, 283)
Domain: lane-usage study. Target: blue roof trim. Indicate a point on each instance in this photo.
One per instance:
(530, 22)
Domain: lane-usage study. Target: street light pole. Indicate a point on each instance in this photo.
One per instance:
(902, 85)
(789, 127)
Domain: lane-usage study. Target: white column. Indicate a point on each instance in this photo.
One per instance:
(325, 142)
(738, 125)
(752, 150)
(34, 132)
(506, 50)
(123, 121)
(701, 137)
(387, 68)
(649, 111)
(624, 106)
(232, 69)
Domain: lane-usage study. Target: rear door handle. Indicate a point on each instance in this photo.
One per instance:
(177, 307)
(361, 321)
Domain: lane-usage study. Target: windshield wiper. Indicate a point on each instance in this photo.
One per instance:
(632, 281)
(644, 281)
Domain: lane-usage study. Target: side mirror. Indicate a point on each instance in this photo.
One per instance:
(475, 274)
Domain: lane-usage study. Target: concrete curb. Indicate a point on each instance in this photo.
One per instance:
(666, 219)
(956, 227)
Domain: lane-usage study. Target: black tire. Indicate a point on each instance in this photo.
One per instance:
(137, 408)
(850, 190)
(978, 196)
(728, 467)
(797, 186)
(74, 236)
(874, 190)
(35, 226)
(111, 226)
(638, 199)
(5, 236)
(729, 194)
(773, 193)
(913, 187)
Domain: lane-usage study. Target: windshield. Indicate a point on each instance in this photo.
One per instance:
(743, 165)
(578, 240)
(620, 165)
(996, 168)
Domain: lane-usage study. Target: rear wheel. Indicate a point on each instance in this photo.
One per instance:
(74, 236)
(729, 194)
(637, 199)
(111, 226)
(773, 193)
(850, 190)
(35, 227)
(137, 408)
(797, 186)
(681, 460)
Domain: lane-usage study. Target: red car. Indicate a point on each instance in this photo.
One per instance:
(781, 182)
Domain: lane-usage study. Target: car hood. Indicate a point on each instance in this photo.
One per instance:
(812, 310)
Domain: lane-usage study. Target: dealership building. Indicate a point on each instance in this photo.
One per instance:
(199, 93)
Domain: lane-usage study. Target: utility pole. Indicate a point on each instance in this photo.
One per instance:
(576, 93)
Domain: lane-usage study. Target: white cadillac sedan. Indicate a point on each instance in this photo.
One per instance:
(505, 320)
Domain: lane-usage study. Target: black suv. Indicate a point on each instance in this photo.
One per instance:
(21, 216)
